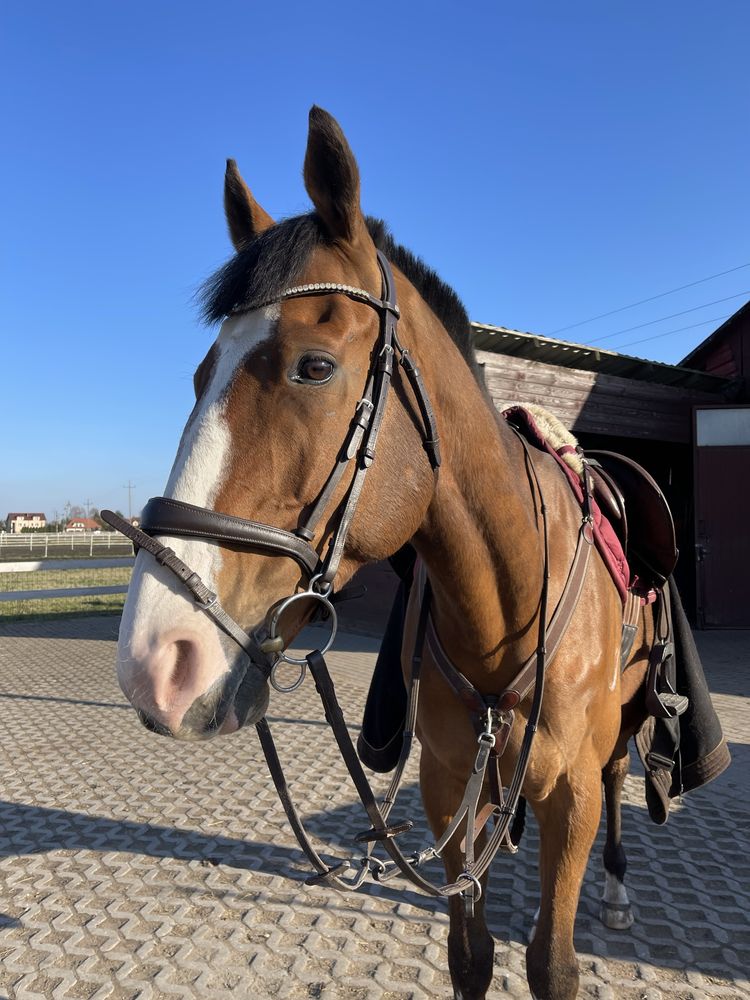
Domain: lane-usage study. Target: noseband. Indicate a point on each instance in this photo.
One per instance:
(165, 516)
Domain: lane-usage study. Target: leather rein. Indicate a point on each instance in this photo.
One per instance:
(492, 716)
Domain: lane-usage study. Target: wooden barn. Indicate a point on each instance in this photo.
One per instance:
(687, 424)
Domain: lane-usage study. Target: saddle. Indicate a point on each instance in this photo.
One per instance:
(639, 513)
(680, 743)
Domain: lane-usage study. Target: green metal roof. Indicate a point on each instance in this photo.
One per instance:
(534, 347)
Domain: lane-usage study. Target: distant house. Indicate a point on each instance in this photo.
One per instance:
(82, 524)
(135, 521)
(15, 523)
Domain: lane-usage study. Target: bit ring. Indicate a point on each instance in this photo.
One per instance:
(273, 624)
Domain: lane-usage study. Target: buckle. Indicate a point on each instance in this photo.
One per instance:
(204, 603)
(665, 650)
(477, 895)
(338, 869)
(471, 895)
(388, 832)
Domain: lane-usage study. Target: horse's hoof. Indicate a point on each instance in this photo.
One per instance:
(616, 916)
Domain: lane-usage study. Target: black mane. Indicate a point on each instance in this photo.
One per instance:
(275, 260)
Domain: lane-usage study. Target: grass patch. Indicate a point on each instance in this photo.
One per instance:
(62, 607)
(65, 605)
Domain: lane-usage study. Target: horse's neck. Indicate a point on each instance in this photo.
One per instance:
(482, 544)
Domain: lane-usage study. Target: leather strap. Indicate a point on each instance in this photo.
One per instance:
(335, 718)
(165, 516)
(349, 449)
(430, 437)
(205, 598)
(387, 303)
(329, 875)
(662, 700)
(631, 617)
(468, 880)
(523, 681)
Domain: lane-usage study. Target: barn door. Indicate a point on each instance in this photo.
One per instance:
(722, 509)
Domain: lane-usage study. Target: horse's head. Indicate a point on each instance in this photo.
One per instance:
(275, 399)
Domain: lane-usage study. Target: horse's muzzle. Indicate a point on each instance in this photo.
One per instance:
(237, 699)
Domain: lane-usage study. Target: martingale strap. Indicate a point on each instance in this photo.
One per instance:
(524, 679)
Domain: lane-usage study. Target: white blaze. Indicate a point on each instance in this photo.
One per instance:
(157, 603)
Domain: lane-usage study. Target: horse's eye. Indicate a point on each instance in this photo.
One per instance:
(313, 368)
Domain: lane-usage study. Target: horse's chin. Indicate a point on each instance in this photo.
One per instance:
(242, 712)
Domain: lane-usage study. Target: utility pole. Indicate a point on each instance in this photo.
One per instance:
(88, 507)
(130, 487)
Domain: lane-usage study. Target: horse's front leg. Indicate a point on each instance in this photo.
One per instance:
(616, 911)
(470, 945)
(568, 820)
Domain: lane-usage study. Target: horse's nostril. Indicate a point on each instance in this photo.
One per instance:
(152, 725)
(164, 682)
(184, 662)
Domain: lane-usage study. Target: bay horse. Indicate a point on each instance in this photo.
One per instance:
(302, 309)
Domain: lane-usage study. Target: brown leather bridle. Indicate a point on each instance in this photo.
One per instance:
(491, 715)
(166, 516)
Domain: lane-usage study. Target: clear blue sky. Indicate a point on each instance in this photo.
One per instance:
(552, 162)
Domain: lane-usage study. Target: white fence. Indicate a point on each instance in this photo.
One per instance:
(44, 544)
(61, 566)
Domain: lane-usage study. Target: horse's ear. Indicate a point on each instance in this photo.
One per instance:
(245, 218)
(332, 177)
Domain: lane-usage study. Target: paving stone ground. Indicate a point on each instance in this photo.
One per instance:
(135, 867)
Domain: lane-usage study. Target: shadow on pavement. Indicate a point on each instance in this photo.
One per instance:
(103, 628)
(674, 870)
